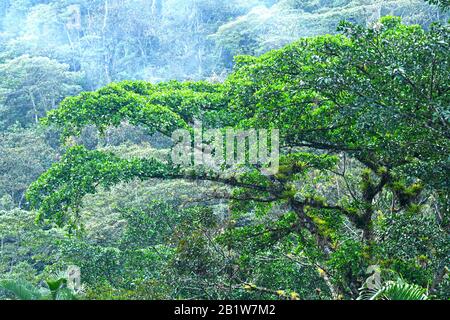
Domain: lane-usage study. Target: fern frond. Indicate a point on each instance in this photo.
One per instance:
(22, 290)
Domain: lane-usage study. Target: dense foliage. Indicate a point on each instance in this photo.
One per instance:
(359, 208)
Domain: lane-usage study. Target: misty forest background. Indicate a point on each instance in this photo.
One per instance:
(182, 239)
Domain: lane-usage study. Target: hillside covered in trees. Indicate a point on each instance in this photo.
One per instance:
(94, 204)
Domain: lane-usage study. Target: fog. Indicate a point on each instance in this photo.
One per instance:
(155, 40)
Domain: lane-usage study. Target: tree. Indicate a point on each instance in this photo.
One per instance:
(444, 4)
(25, 248)
(393, 290)
(24, 155)
(30, 86)
(355, 112)
(114, 40)
(265, 28)
(55, 289)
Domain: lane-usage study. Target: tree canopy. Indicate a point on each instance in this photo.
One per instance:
(364, 128)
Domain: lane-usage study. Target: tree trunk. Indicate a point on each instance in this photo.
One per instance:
(33, 102)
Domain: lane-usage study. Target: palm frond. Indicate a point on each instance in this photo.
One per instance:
(394, 290)
(22, 290)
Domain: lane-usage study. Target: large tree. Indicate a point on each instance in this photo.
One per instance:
(364, 125)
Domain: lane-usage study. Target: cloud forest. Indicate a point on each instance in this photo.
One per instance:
(224, 150)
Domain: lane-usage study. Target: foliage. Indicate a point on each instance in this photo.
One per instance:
(445, 4)
(395, 290)
(24, 155)
(367, 98)
(267, 28)
(23, 290)
(362, 109)
(30, 86)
